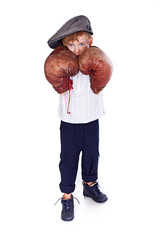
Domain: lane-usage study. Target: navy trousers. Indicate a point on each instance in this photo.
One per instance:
(77, 138)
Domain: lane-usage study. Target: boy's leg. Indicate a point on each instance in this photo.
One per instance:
(90, 163)
(71, 140)
(90, 153)
(70, 150)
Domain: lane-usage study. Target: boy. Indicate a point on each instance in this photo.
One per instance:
(79, 129)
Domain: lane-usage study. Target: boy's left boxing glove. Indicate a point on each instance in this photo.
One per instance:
(59, 66)
(94, 62)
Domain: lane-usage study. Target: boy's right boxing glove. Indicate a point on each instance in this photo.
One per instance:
(59, 66)
(94, 62)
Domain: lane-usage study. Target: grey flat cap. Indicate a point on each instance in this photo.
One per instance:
(76, 24)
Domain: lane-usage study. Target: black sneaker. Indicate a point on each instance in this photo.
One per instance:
(67, 213)
(94, 193)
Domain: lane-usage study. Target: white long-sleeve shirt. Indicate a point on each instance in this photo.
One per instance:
(85, 106)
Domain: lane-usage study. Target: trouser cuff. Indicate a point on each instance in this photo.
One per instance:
(92, 178)
(67, 189)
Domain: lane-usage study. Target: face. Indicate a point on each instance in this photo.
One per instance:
(78, 46)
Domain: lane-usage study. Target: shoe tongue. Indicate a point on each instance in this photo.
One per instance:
(66, 200)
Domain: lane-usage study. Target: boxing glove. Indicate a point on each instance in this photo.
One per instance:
(59, 66)
(94, 62)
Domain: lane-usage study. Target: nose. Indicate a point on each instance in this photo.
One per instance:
(76, 50)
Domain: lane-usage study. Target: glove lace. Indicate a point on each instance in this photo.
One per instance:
(70, 88)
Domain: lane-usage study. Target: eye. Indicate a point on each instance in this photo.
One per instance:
(70, 44)
(82, 44)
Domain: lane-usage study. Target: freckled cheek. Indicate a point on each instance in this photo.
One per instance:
(71, 49)
(83, 49)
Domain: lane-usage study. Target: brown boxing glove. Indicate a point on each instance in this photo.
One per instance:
(94, 62)
(59, 66)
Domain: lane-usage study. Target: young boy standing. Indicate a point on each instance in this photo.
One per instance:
(79, 129)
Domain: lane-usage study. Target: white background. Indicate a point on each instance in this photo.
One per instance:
(129, 31)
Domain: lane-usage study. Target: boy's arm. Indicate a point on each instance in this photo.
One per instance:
(94, 62)
(59, 66)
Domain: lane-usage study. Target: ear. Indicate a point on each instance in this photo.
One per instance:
(91, 41)
(63, 42)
